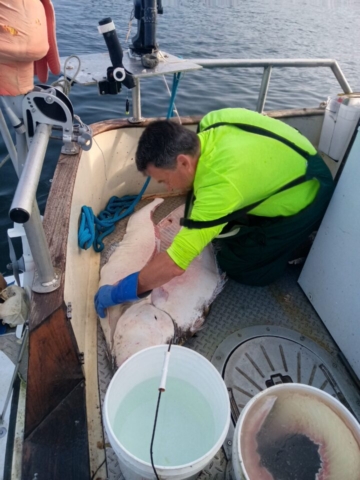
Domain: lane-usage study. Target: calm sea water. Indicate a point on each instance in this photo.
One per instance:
(206, 29)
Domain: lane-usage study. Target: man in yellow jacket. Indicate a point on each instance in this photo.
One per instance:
(255, 184)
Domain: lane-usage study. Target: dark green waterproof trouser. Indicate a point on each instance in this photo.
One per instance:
(258, 254)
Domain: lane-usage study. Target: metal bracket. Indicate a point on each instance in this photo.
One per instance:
(47, 287)
(69, 311)
(50, 106)
(70, 148)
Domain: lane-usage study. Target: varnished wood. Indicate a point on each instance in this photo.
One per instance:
(54, 368)
(56, 226)
(58, 448)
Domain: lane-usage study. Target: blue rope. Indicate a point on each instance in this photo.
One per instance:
(175, 85)
(92, 229)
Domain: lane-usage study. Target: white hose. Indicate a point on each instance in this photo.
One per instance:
(165, 369)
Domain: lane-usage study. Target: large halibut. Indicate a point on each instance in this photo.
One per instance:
(177, 309)
(137, 248)
(187, 298)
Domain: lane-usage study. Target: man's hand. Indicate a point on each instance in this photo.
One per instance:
(103, 299)
(138, 285)
(124, 291)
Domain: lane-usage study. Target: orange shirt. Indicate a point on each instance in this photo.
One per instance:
(26, 26)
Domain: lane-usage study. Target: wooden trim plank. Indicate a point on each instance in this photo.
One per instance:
(58, 448)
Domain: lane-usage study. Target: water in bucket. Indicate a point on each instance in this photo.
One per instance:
(185, 428)
(193, 420)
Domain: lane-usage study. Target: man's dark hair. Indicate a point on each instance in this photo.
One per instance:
(161, 142)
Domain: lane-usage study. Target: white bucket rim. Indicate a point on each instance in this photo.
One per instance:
(292, 386)
(185, 465)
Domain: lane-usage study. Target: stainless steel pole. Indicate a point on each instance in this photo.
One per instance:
(22, 204)
(340, 77)
(47, 278)
(277, 63)
(136, 103)
(263, 89)
(263, 62)
(28, 166)
(22, 151)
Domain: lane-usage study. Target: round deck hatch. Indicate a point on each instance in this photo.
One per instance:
(257, 358)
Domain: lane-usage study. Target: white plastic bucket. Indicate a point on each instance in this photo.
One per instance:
(339, 124)
(240, 469)
(185, 365)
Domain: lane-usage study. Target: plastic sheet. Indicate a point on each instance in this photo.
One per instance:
(15, 309)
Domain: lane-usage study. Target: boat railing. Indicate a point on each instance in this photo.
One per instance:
(33, 116)
(266, 64)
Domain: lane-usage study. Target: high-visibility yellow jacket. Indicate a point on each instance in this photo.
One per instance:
(237, 168)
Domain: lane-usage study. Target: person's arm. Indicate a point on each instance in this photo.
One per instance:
(51, 60)
(137, 285)
(160, 270)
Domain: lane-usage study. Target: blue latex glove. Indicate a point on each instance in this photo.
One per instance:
(124, 291)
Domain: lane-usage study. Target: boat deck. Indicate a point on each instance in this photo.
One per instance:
(277, 313)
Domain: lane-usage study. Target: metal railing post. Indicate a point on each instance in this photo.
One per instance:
(47, 278)
(25, 194)
(340, 77)
(136, 103)
(22, 150)
(268, 63)
(263, 89)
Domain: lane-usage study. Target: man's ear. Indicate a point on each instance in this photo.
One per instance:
(184, 161)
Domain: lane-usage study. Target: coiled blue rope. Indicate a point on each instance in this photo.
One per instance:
(92, 229)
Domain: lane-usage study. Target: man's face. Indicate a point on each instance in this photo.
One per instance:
(180, 178)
